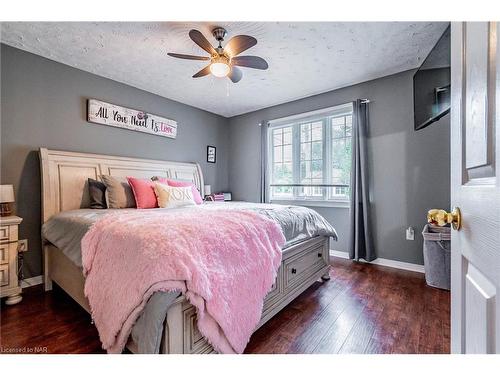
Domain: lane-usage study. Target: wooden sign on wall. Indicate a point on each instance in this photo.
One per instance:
(121, 117)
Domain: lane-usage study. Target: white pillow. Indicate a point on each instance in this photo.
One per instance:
(171, 197)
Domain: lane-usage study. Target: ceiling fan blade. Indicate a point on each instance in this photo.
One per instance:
(200, 40)
(188, 57)
(239, 43)
(254, 62)
(235, 74)
(205, 71)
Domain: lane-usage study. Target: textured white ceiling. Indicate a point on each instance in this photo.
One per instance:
(304, 58)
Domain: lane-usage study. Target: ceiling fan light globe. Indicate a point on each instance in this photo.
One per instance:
(220, 69)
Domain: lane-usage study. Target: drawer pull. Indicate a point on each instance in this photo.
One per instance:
(294, 270)
(320, 255)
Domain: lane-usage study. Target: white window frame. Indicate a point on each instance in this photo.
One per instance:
(295, 121)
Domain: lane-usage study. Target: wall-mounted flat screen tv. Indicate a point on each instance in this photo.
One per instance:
(431, 84)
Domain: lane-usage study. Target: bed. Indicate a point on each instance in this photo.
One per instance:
(64, 191)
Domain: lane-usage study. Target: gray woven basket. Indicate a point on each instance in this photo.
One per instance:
(437, 249)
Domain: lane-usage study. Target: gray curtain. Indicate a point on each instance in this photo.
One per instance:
(360, 237)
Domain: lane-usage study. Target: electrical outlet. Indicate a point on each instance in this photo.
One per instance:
(22, 246)
(410, 234)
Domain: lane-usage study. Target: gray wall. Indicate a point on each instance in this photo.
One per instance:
(43, 104)
(409, 170)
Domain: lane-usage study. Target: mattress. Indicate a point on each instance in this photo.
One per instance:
(66, 229)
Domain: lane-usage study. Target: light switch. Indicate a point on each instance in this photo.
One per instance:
(410, 234)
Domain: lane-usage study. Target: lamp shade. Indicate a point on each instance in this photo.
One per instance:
(6, 194)
(208, 189)
(219, 69)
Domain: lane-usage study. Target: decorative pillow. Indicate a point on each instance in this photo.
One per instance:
(119, 193)
(171, 197)
(97, 194)
(144, 192)
(176, 183)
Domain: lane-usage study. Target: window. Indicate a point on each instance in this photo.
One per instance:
(310, 156)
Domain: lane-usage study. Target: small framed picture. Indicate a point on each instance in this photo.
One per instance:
(211, 154)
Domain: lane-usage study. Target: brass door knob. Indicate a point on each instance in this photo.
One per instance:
(441, 217)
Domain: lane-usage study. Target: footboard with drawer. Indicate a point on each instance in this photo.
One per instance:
(301, 266)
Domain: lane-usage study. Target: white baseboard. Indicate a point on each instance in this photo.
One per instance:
(383, 262)
(32, 281)
(339, 254)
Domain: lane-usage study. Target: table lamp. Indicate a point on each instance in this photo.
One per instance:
(6, 198)
(208, 190)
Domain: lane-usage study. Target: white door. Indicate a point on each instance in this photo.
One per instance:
(475, 187)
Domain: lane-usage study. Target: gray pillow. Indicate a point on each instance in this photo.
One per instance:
(119, 193)
(97, 194)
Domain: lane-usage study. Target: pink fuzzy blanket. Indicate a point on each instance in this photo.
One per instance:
(224, 262)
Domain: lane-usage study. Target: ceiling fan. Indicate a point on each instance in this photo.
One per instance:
(224, 62)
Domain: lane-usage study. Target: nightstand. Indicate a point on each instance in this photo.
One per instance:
(9, 283)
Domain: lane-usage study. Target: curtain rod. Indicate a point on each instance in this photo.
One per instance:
(296, 116)
(363, 101)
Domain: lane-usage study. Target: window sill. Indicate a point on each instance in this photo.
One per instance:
(311, 203)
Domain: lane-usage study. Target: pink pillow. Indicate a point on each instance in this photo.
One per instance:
(144, 192)
(175, 183)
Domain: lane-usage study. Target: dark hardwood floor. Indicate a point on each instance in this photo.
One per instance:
(362, 309)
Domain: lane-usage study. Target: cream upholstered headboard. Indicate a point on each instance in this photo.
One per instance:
(64, 176)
